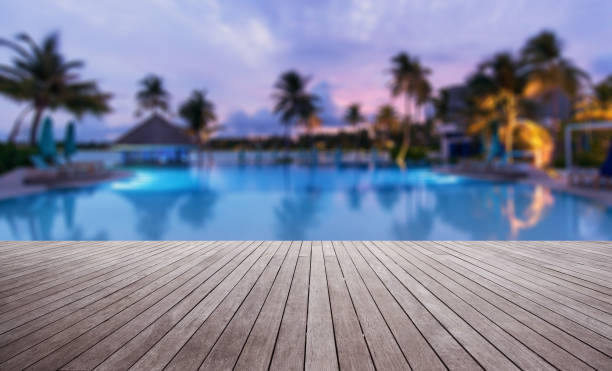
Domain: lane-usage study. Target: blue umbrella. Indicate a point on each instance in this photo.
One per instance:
(69, 142)
(46, 145)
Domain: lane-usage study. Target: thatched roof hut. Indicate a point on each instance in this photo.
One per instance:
(155, 141)
(156, 131)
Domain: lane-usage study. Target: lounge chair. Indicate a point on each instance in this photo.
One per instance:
(39, 163)
(43, 173)
(594, 178)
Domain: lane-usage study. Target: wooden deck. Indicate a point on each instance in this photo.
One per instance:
(313, 305)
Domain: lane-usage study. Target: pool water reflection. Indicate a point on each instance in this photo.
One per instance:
(278, 202)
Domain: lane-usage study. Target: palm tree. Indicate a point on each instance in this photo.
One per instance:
(153, 95)
(409, 78)
(199, 112)
(17, 124)
(603, 92)
(496, 94)
(293, 102)
(386, 119)
(549, 72)
(597, 106)
(354, 117)
(42, 77)
(442, 104)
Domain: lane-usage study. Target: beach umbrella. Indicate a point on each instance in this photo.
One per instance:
(46, 145)
(69, 141)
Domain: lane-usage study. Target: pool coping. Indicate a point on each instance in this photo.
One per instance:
(12, 185)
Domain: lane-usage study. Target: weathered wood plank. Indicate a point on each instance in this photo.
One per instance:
(185, 305)
(60, 298)
(594, 283)
(224, 354)
(320, 344)
(482, 350)
(521, 355)
(386, 353)
(242, 279)
(568, 342)
(451, 352)
(353, 352)
(538, 286)
(126, 349)
(257, 352)
(198, 347)
(473, 265)
(543, 346)
(415, 347)
(289, 350)
(70, 314)
(95, 326)
(524, 262)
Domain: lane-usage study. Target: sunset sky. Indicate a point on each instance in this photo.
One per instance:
(235, 49)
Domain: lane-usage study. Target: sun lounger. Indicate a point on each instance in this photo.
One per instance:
(593, 178)
(589, 178)
(45, 174)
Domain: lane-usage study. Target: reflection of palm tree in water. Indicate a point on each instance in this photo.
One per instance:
(473, 209)
(541, 201)
(354, 194)
(197, 207)
(37, 212)
(354, 197)
(419, 218)
(387, 197)
(296, 214)
(152, 211)
(41, 212)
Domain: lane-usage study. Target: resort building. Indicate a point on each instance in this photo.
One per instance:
(452, 128)
(156, 141)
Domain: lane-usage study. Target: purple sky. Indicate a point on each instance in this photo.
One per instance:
(236, 49)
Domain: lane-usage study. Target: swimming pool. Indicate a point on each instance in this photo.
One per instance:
(293, 202)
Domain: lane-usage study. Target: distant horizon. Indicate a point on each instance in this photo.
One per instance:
(236, 50)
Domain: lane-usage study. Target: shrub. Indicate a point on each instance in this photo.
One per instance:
(413, 153)
(12, 156)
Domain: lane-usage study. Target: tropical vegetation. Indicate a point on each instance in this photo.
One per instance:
(12, 156)
(353, 115)
(521, 99)
(199, 112)
(293, 103)
(152, 96)
(43, 79)
(409, 79)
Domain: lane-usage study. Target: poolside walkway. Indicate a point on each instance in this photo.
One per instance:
(12, 184)
(312, 305)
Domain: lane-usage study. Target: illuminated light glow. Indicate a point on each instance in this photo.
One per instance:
(542, 200)
(537, 139)
(139, 180)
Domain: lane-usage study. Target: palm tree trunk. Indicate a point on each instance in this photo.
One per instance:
(511, 124)
(401, 155)
(35, 123)
(557, 128)
(407, 114)
(286, 139)
(17, 124)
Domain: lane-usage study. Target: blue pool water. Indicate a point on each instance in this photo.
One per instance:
(279, 202)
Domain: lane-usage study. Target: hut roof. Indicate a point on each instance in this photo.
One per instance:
(156, 131)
